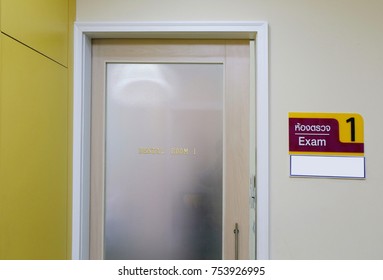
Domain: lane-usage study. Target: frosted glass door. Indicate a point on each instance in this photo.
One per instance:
(163, 161)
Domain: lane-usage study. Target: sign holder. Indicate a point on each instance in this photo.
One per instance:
(326, 145)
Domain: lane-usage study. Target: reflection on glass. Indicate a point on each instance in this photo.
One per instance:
(164, 161)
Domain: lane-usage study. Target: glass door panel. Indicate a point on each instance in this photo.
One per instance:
(164, 161)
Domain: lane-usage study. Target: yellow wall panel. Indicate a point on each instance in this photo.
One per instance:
(33, 155)
(40, 24)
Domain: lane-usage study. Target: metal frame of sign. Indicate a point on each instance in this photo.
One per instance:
(327, 145)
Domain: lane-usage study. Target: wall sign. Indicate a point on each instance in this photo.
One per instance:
(326, 145)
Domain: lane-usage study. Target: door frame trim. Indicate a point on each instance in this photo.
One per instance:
(84, 32)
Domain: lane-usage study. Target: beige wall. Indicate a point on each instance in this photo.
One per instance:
(325, 56)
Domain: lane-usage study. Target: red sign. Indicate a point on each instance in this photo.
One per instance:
(312, 133)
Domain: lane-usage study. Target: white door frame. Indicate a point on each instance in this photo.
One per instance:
(84, 32)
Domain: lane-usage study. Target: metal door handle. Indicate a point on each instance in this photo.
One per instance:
(236, 235)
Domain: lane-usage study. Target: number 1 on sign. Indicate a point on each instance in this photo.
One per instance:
(352, 123)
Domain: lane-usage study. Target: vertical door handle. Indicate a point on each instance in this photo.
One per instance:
(236, 239)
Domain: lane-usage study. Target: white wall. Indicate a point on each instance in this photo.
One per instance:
(325, 56)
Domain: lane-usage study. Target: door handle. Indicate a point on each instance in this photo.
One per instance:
(236, 239)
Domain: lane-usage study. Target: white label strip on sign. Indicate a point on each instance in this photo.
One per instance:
(327, 166)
